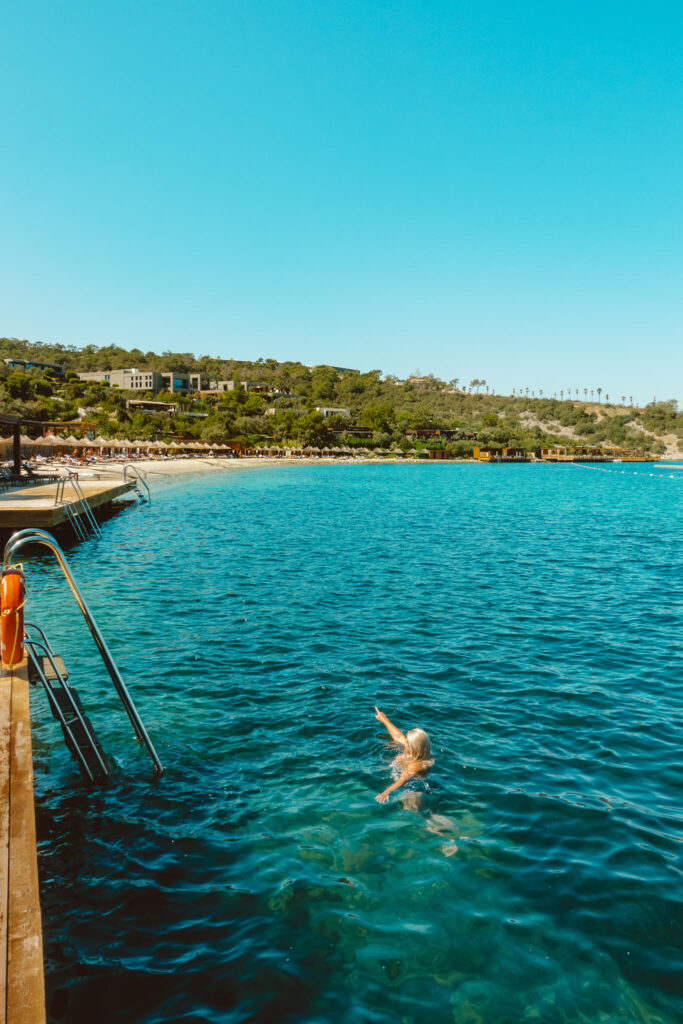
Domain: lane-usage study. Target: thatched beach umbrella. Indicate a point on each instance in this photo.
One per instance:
(29, 443)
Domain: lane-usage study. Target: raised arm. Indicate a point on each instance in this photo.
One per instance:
(396, 734)
(407, 773)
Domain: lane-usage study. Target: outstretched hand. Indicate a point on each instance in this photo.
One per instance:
(382, 798)
(379, 715)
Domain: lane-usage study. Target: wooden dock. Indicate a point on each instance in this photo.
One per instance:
(22, 1000)
(34, 506)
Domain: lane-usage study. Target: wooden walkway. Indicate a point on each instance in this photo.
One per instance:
(22, 1000)
(25, 507)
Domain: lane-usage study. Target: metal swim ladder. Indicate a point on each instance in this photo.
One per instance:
(83, 518)
(140, 479)
(48, 669)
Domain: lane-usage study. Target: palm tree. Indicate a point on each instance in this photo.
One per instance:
(592, 393)
(623, 399)
(577, 392)
(585, 394)
(527, 392)
(561, 396)
(630, 399)
(487, 389)
(606, 396)
(541, 392)
(513, 392)
(599, 391)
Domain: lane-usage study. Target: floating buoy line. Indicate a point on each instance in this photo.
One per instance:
(625, 472)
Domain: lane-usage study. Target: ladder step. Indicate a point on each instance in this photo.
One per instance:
(47, 668)
(76, 736)
(62, 698)
(86, 750)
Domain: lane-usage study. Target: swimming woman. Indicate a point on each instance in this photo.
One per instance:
(415, 759)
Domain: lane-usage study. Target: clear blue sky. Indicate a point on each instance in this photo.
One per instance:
(485, 189)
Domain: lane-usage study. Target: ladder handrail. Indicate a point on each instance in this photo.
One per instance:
(84, 501)
(78, 527)
(18, 541)
(85, 504)
(54, 705)
(140, 477)
(81, 501)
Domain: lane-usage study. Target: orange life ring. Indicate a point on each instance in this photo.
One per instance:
(12, 617)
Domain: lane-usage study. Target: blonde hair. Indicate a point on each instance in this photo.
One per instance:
(418, 744)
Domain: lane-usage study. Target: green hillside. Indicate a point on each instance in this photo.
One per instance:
(382, 408)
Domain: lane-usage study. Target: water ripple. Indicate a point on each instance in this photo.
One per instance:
(528, 617)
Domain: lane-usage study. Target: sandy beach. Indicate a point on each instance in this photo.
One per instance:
(169, 468)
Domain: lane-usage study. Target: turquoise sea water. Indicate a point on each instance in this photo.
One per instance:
(528, 617)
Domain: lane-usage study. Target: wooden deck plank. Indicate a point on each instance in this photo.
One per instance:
(25, 978)
(5, 717)
(25, 507)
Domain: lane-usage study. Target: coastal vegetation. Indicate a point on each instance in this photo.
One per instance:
(383, 411)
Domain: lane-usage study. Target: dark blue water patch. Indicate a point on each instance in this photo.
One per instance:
(530, 620)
